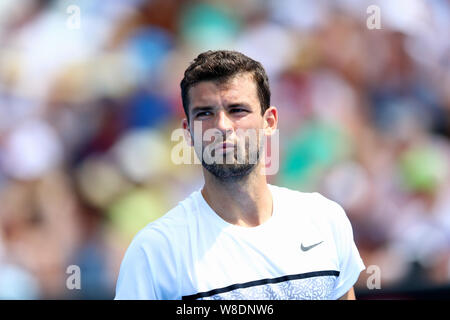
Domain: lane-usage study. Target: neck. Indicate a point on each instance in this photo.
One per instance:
(246, 202)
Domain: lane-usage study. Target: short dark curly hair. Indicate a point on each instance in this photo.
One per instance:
(221, 65)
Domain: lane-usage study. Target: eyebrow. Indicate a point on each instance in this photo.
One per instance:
(209, 108)
(239, 104)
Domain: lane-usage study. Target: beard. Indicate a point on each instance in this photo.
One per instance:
(230, 169)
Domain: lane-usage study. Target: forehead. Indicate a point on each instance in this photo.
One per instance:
(239, 88)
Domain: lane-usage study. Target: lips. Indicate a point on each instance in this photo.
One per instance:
(227, 145)
(224, 146)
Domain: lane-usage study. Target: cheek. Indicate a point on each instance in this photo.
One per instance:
(253, 123)
(204, 136)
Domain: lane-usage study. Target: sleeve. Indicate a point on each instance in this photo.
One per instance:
(350, 262)
(149, 269)
(135, 281)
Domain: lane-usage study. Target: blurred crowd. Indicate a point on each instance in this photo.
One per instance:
(87, 112)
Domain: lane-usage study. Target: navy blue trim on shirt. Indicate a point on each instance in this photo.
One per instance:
(261, 282)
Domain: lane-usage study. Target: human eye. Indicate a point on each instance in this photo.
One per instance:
(238, 110)
(203, 114)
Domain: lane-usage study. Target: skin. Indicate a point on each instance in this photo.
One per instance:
(350, 295)
(233, 105)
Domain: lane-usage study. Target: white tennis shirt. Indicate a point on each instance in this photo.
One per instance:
(305, 250)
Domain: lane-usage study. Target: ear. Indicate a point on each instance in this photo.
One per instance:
(270, 120)
(187, 132)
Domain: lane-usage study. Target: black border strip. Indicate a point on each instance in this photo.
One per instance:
(260, 282)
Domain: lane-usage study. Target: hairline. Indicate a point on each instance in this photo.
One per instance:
(222, 80)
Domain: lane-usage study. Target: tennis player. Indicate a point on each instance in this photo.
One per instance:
(239, 237)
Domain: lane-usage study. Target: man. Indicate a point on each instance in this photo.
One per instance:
(239, 237)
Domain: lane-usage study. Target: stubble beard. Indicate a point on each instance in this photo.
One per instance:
(233, 171)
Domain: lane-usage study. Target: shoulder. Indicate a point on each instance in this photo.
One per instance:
(168, 230)
(151, 263)
(313, 199)
(312, 205)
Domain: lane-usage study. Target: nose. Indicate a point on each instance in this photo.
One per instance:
(224, 124)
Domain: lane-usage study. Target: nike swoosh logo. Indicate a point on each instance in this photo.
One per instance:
(309, 247)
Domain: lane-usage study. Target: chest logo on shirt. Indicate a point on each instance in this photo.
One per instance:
(307, 248)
